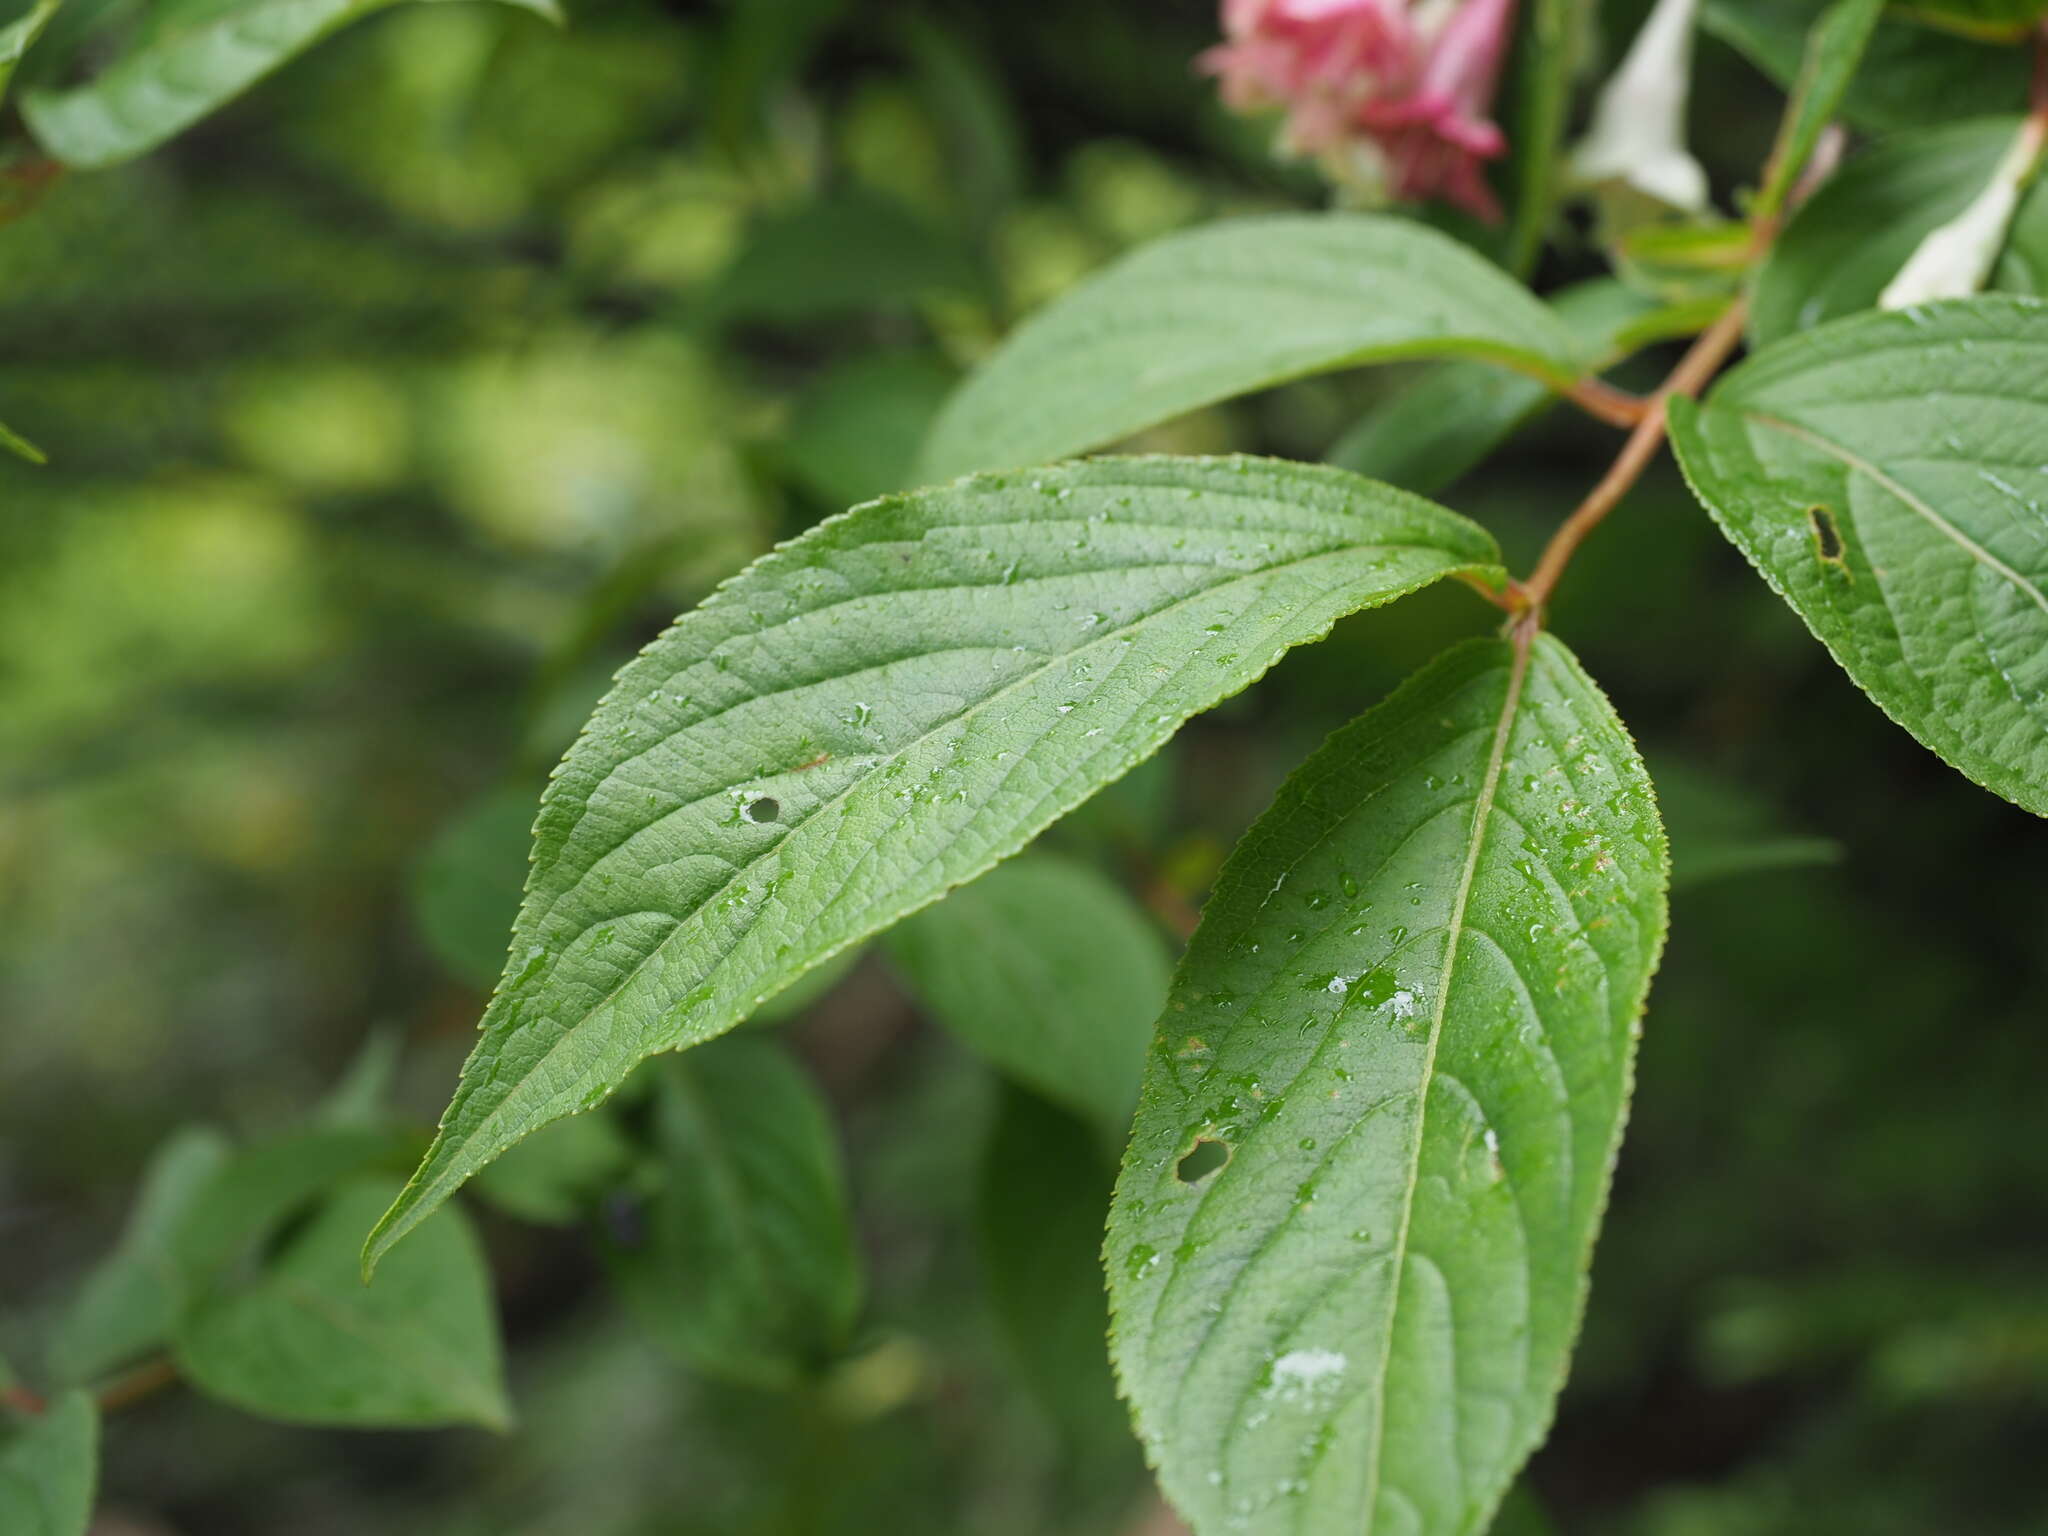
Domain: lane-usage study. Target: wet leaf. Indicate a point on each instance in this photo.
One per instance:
(1348, 1251)
(1888, 476)
(882, 710)
(1227, 309)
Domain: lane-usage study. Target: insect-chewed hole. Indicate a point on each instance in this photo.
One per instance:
(1826, 537)
(1203, 1159)
(765, 809)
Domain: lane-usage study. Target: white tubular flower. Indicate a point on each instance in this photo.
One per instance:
(1954, 261)
(1638, 135)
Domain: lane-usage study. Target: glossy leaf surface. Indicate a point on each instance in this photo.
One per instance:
(1052, 972)
(1348, 1251)
(189, 64)
(1886, 475)
(305, 1340)
(1227, 309)
(882, 710)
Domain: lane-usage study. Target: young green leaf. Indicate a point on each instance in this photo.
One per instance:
(743, 1263)
(1886, 475)
(1833, 50)
(1229, 308)
(1851, 239)
(1348, 1252)
(1050, 971)
(49, 1467)
(882, 710)
(307, 1341)
(125, 1306)
(184, 68)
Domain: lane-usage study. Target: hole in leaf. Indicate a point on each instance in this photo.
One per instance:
(1826, 537)
(1206, 1157)
(764, 809)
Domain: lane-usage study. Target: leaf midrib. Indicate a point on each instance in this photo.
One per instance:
(1853, 461)
(569, 1030)
(561, 785)
(1482, 815)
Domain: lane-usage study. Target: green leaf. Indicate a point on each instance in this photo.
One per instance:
(556, 1175)
(49, 1466)
(1451, 417)
(20, 446)
(361, 1096)
(127, 1303)
(306, 1341)
(1834, 49)
(1851, 239)
(185, 68)
(466, 885)
(1886, 475)
(1348, 1252)
(848, 252)
(1910, 75)
(15, 40)
(1049, 970)
(882, 710)
(264, 1186)
(857, 431)
(1227, 309)
(744, 1265)
(1045, 1183)
(1720, 831)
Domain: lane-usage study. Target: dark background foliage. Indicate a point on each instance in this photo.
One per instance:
(391, 409)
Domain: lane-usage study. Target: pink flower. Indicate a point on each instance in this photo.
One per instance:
(1390, 93)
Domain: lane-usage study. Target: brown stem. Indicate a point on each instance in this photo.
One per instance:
(1707, 353)
(147, 1379)
(21, 1399)
(1599, 399)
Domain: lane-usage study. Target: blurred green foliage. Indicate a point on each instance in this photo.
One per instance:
(390, 410)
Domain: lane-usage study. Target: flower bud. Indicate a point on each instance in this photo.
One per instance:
(1954, 261)
(1637, 141)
